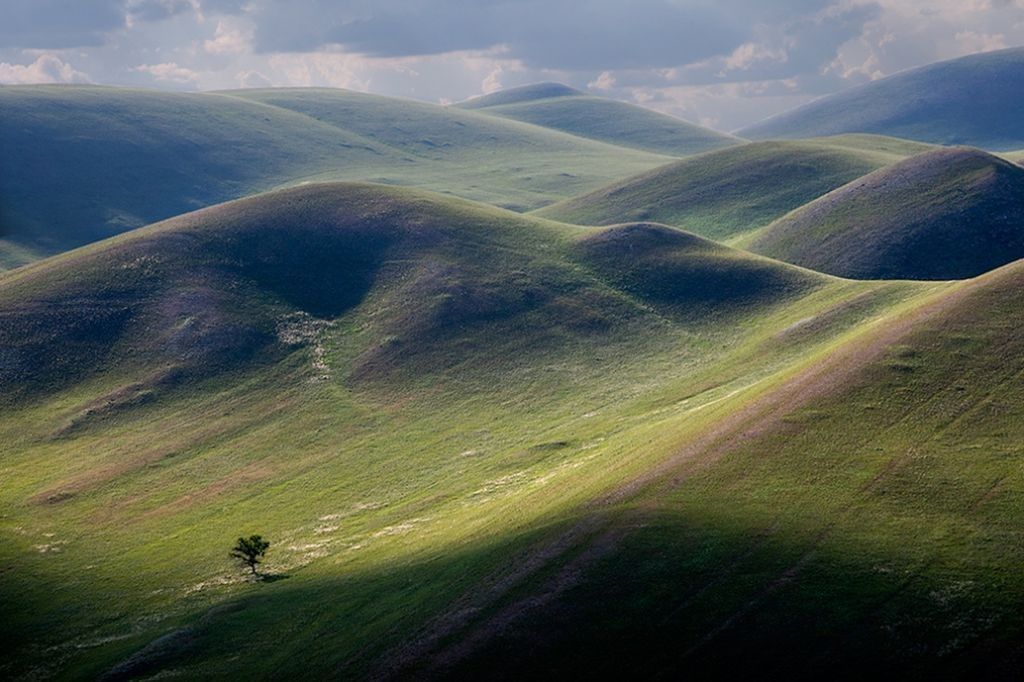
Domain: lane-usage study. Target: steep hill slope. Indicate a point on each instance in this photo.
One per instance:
(79, 164)
(858, 519)
(963, 101)
(561, 108)
(946, 214)
(725, 193)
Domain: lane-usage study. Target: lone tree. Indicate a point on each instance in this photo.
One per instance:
(248, 551)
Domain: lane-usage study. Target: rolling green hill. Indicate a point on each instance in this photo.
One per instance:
(859, 519)
(726, 193)
(580, 442)
(206, 292)
(78, 164)
(966, 101)
(556, 106)
(945, 214)
(342, 368)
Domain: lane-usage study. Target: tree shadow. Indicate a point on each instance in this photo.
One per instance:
(273, 577)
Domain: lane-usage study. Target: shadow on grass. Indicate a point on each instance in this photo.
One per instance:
(674, 596)
(273, 577)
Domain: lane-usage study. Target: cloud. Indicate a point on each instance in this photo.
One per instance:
(158, 10)
(169, 72)
(253, 79)
(605, 81)
(47, 68)
(227, 40)
(799, 48)
(223, 6)
(493, 81)
(551, 34)
(727, 61)
(972, 41)
(57, 24)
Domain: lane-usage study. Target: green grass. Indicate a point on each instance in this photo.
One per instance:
(598, 118)
(945, 214)
(79, 164)
(965, 101)
(726, 193)
(874, 530)
(494, 374)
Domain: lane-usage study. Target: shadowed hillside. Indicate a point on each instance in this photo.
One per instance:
(969, 100)
(78, 163)
(723, 194)
(689, 275)
(946, 214)
(562, 108)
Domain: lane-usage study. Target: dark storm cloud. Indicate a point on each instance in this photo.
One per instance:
(54, 24)
(556, 34)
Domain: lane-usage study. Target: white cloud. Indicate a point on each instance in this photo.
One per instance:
(320, 69)
(748, 54)
(47, 68)
(973, 41)
(493, 81)
(606, 81)
(253, 79)
(168, 72)
(780, 53)
(228, 40)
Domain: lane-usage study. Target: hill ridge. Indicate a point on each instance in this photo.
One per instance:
(600, 118)
(957, 101)
(725, 193)
(952, 213)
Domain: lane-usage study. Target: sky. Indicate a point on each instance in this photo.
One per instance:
(721, 63)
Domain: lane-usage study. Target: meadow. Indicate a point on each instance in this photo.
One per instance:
(511, 394)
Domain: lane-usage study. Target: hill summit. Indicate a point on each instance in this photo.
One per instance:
(945, 214)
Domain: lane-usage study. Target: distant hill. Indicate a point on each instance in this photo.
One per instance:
(522, 93)
(80, 163)
(729, 192)
(559, 107)
(945, 214)
(970, 101)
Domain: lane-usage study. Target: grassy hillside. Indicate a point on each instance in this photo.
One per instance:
(561, 108)
(726, 193)
(342, 368)
(78, 164)
(860, 519)
(963, 101)
(945, 214)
